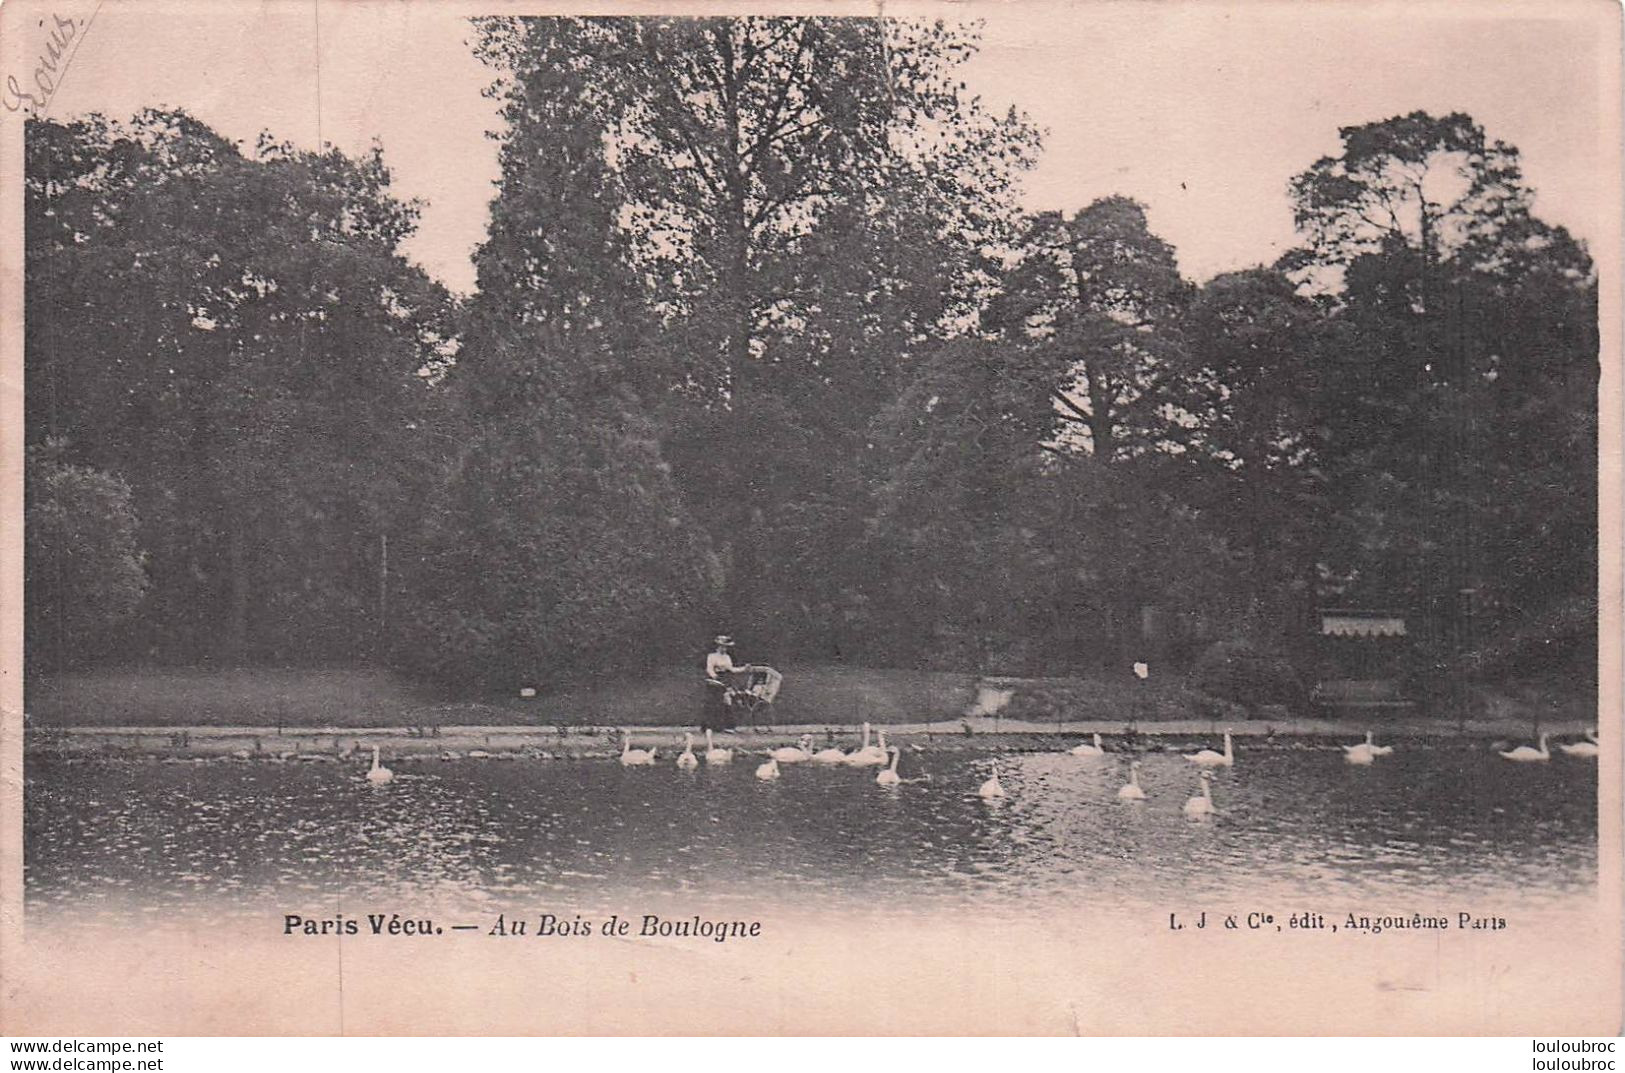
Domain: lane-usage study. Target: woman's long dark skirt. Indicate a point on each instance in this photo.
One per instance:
(715, 714)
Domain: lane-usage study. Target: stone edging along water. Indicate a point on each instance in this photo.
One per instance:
(973, 733)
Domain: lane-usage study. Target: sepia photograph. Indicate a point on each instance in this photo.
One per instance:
(1034, 518)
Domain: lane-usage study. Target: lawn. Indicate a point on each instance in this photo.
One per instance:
(819, 694)
(340, 697)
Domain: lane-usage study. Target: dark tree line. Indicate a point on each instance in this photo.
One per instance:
(761, 341)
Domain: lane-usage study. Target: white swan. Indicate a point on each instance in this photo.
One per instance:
(1525, 754)
(887, 776)
(1088, 750)
(868, 755)
(1581, 748)
(1363, 753)
(687, 760)
(1201, 806)
(794, 754)
(1132, 791)
(992, 788)
(1209, 758)
(855, 756)
(631, 757)
(831, 755)
(378, 774)
(713, 755)
(769, 770)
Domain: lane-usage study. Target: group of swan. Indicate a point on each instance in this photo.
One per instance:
(1526, 754)
(1198, 807)
(1205, 758)
(770, 770)
(867, 755)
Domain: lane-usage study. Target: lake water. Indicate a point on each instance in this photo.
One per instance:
(1438, 819)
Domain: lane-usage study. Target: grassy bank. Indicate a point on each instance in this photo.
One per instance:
(370, 698)
(207, 697)
(812, 696)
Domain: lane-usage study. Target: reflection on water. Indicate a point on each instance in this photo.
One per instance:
(1437, 819)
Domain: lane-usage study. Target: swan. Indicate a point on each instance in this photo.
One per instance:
(713, 755)
(1379, 750)
(868, 755)
(769, 770)
(887, 776)
(1132, 791)
(687, 760)
(831, 755)
(855, 756)
(992, 788)
(794, 754)
(1209, 758)
(378, 774)
(631, 757)
(1363, 753)
(1581, 748)
(1201, 806)
(1525, 753)
(1088, 750)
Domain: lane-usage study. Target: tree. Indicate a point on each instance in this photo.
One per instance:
(801, 205)
(1465, 327)
(82, 567)
(555, 548)
(950, 561)
(1101, 295)
(556, 544)
(1438, 188)
(240, 337)
(1258, 350)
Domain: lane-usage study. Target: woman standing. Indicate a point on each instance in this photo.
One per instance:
(717, 713)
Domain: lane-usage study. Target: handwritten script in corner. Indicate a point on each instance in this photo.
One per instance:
(61, 37)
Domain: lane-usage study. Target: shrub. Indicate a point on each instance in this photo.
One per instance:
(1237, 671)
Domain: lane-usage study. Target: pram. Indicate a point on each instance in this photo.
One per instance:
(757, 686)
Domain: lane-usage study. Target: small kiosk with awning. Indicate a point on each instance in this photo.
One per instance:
(1361, 655)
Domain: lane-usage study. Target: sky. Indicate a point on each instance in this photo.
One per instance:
(1201, 111)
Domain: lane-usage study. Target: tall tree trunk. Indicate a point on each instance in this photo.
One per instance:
(737, 294)
(236, 639)
(1100, 418)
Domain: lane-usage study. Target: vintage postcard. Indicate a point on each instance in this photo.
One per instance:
(968, 518)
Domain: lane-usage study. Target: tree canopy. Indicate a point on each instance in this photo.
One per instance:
(763, 342)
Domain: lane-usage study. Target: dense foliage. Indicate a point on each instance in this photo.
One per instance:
(762, 342)
(86, 573)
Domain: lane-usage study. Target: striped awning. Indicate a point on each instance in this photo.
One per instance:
(1361, 624)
